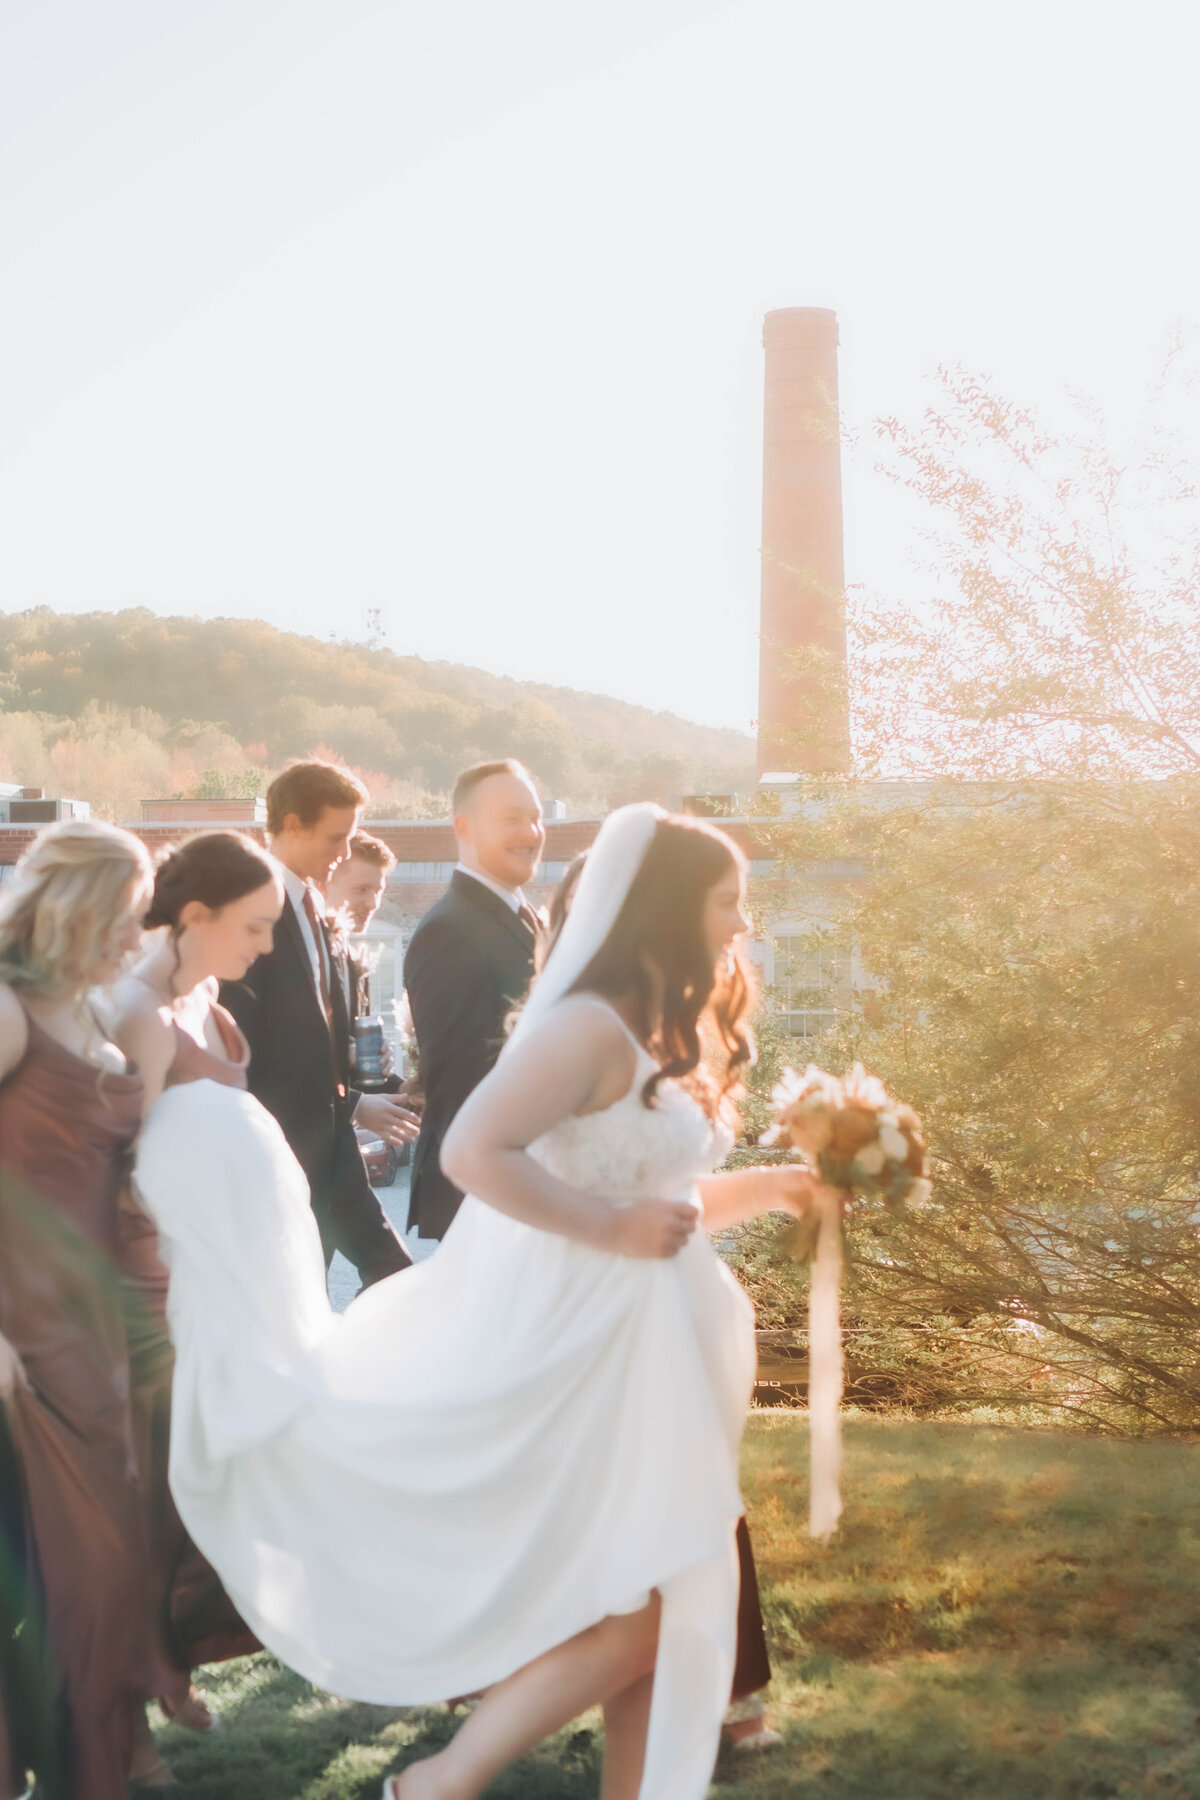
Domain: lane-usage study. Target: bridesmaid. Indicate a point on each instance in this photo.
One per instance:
(70, 1106)
(745, 1726)
(218, 897)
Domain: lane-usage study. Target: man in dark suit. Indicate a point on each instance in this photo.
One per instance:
(470, 962)
(293, 1009)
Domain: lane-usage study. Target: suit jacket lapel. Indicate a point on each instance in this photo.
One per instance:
(340, 1023)
(494, 907)
(299, 948)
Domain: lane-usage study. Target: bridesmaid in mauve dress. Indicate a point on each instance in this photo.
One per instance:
(217, 898)
(192, 1620)
(70, 1107)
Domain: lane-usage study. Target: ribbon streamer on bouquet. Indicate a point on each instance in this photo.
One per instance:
(825, 1368)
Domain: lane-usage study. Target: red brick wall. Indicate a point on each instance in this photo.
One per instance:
(409, 841)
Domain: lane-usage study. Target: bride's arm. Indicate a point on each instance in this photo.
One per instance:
(577, 1060)
(744, 1193)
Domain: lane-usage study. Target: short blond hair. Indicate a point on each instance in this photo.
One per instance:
(67, 894)
(480, 772)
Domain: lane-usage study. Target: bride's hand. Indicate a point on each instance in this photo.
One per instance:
(653, 1228)
(12, 1370)
(794, 1189)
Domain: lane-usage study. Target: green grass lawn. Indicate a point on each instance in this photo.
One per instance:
(1009, 1614)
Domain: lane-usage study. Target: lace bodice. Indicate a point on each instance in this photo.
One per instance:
(633, 1152)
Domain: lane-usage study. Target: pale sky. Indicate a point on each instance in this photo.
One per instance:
(454, 308)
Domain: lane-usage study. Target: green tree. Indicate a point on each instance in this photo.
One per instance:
(1056, 635)
(228, 784)
(221, 686)
(1026, 920)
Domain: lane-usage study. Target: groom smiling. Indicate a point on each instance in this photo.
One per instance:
(470, 962)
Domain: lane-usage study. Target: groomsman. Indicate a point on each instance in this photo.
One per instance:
(292, 1007)
(353, 895)
(470, 962)
(354, 892)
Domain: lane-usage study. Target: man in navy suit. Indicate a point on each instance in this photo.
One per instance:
(292, 1007)
(470, 961)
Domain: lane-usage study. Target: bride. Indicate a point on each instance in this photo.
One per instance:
(513, 1468)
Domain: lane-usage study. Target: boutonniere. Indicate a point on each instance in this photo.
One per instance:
(339, 927)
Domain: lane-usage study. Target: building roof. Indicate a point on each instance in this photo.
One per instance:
(409, 840)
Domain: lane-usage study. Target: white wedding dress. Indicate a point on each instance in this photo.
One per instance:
(484, 1454)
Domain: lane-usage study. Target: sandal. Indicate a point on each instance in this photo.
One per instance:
(745, 1727)
(746, 1738)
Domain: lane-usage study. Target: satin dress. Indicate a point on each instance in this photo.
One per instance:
(190, 1618)
(66, 1129)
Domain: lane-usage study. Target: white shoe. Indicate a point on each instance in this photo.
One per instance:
(764, 1739)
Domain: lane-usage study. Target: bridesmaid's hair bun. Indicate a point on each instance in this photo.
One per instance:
(214, 867)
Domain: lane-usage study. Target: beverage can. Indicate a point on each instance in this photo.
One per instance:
(369, 1053)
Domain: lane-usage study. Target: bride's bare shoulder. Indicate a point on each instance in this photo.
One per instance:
(584, 1017)
(587, 1006)
(580, 1047)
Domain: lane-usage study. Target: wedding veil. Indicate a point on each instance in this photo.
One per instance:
(608, 874)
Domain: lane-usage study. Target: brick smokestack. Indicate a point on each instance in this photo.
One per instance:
(803, 720)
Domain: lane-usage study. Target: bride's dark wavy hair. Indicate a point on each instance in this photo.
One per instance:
(658, 952)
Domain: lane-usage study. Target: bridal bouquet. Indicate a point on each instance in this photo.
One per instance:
(855, 1138)
(852, 1134)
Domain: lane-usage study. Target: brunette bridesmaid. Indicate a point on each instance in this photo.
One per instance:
(70, 1106)
(216, 899)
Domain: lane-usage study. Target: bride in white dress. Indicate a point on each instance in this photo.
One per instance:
(515, 1466)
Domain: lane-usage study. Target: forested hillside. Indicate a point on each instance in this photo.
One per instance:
(111, 707)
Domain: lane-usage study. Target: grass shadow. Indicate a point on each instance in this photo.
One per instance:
(279, 1738)
(1005, 1614)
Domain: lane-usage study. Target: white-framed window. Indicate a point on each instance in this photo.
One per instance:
(807, 977)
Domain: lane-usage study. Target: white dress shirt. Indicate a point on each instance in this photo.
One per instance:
(513, 898)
